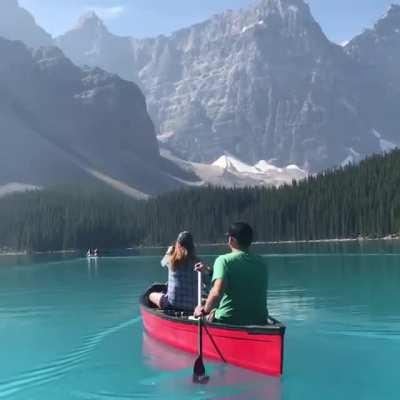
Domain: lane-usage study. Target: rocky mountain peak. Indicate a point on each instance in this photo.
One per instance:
(283, 6)
(377, 50)
(390, 23)
(381, 44)
(394, 9)
(90, 21)
(91, 43)
(288, 19)
(295, 10)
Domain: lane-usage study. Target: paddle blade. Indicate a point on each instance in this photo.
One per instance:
(199, 372)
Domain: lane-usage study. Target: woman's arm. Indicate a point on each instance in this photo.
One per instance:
(165, 262)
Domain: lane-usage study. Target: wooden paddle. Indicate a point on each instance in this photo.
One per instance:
(199, 371)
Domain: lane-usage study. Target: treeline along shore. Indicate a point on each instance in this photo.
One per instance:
(350, 202)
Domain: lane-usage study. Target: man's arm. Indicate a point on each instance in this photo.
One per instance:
(213, 298)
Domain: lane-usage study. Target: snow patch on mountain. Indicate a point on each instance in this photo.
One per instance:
(263, 172)
(264, 166)
(385, 145)
(231, 172)
(234, 164)
(294, 167)
(16, 187)
(352, 158)
(252, 26)
(163, 138)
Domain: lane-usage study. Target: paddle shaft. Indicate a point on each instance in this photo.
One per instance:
(199, 372)
(200, 322)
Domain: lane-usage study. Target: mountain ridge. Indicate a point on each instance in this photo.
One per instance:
(259, 83)
(63, 124)
(16, 23)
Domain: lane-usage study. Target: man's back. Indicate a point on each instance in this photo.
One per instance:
(245, 288)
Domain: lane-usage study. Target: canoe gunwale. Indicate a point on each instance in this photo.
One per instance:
(269, 329)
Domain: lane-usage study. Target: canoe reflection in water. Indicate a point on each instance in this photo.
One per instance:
(243, 384)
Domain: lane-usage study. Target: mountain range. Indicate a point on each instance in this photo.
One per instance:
(263, 83)
(61, 124)
(259, 83)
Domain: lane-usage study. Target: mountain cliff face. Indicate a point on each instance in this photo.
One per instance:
(18, 24)
(377, 50)
(63, 124)
(262, 83)
(379, 47)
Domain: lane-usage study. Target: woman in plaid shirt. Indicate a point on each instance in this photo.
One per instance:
(180, 260)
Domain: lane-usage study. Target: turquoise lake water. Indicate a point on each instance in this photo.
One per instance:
(70, 329)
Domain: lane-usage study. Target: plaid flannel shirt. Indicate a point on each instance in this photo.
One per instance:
(182, 285)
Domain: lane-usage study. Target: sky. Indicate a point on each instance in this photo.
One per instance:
(340, 19)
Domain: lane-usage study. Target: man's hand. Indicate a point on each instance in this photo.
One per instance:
(199, 311)
(201, 267)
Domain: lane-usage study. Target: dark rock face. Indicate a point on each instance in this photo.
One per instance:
(18, 24)
(262, 83)
(62, 124)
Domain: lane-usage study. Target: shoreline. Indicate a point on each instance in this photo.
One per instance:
(13, 253)
(345, 240)
(388, 238)
(27, 253)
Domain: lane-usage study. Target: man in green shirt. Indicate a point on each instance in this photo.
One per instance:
(239, 283)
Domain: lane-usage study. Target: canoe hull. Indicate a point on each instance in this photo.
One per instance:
(256, 348)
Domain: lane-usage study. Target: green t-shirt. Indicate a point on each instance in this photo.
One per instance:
(245, 298)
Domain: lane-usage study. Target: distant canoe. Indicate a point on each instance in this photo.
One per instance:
(257, 348)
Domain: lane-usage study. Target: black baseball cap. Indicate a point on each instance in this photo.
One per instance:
(185, 239)
(242, 232)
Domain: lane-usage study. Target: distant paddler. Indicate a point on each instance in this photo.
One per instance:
(92, 255)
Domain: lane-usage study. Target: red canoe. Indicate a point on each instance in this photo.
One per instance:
(258, 348)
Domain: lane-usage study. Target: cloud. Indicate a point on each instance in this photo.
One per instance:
(107, 13)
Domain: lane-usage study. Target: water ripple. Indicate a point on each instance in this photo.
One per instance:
(387, 334)
(114, 396)
(57, 369)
